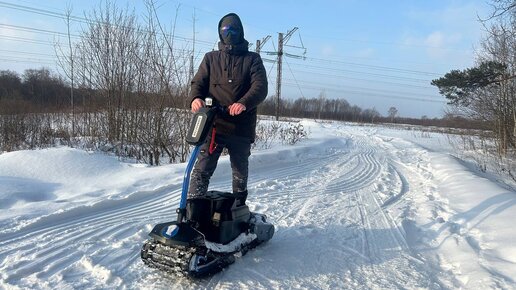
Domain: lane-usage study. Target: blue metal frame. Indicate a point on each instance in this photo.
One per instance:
(186, 178)
(191, 162)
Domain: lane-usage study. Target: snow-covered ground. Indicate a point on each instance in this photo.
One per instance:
(355, 207)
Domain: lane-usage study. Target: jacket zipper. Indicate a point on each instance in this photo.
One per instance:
(230, 68)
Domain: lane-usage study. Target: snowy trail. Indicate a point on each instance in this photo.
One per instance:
(332, 231)
(343, 209)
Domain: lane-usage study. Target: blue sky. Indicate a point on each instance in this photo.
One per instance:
(375, 54)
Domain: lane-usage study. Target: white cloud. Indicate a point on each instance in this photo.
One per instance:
(435, 39)
(5, 31)
(436, 44)
(439, 45)
(327, 50)
(446, 33)
(365, 53)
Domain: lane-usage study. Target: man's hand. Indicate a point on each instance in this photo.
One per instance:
(197, 104)
(236, 109)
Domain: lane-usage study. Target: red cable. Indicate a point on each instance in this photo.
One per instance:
(213, 145)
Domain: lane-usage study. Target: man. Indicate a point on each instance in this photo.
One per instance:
(236, 79)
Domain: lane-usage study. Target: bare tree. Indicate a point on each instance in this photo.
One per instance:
(136, 81)
(488, 91)
(392, 113)
(66, 60)
(501, 8)
(498, 101)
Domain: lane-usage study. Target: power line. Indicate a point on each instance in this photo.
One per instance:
(79, 19)
(40, 11)
(38, 30)
(25, 58)
(369, 89)
(300, 90)
(362, 79)
(382, 68)
(361, 72)
(365, 93)
(25, 61)
(75, 36)
(42, 42)
(26, 52)
(374, 67)
(26, 40)
(325, 85)
(387, 43)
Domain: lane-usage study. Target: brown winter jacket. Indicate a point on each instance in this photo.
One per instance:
(232, 74)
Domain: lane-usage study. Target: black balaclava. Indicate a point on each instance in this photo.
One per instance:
(231, 30)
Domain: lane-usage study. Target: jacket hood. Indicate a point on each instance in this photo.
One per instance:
(234, 20)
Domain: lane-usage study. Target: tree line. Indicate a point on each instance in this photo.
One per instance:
(341, 110)
(33, 90)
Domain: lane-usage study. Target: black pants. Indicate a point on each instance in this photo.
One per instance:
(239, 149)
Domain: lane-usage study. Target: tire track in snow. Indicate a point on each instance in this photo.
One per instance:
(378, 250)
(129, 208)
(332, 231)
(384, 243)
(55, 238)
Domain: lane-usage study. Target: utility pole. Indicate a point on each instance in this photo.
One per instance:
(281, 41)
(261, 43)
(68, 16)
(278, 77)
(193, 50)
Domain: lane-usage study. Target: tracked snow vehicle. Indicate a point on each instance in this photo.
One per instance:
(210, 231)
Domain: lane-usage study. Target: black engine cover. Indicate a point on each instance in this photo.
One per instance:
(174, 233)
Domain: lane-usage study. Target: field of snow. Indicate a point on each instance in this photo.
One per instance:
(355, 207)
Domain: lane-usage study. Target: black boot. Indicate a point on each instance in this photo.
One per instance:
(241, 197)
(198, 212)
